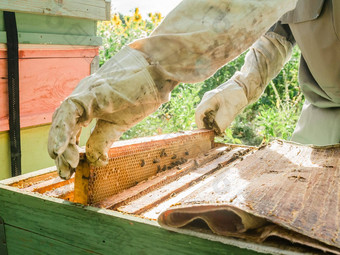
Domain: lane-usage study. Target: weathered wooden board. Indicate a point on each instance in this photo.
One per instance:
(88, 9)
(46, 77)
(167, 190)
(77, 229)
(42, 29)
(128, 195)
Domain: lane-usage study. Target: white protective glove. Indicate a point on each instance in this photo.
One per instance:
(263, 62)
(120, 94)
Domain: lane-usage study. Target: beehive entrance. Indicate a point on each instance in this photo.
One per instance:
(136, 160)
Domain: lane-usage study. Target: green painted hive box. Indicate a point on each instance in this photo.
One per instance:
(58, 46)
(39, 215)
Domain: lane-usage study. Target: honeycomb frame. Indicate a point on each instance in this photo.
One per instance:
(136, 160)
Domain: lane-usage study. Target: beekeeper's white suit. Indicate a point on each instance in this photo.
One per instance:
(193, 41)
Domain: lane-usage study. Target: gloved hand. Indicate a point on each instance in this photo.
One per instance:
(220, 106)
(120, 94)
(263, 62)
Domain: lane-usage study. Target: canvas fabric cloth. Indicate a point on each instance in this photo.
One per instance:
(315, 26)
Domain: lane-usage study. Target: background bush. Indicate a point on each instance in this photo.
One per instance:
(274, 115)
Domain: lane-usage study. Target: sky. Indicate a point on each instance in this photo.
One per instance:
(145, 6)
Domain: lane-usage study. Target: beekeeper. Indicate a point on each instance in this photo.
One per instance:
(193, 41)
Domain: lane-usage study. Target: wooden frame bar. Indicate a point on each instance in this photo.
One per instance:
(87, 9)
(136, 160)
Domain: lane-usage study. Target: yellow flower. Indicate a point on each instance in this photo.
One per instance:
(137, 17)
(159, 16)
(116, 20)
(156, 18)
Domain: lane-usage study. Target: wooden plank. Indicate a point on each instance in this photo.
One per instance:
(82, 182)
(44, 84)
(22, 242)
(165, 192)
(55, 30)
(157, 181)
(32, 23)
(39, 38)
(30, 184)
(49, 185)
(62, 191)
(107, 232)
(88, 9)
(50, 51)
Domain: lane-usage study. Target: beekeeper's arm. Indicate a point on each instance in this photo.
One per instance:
(193, 41)
(263, 62)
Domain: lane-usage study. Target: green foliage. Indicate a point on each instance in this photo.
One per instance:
(176, 115)
(274, 115)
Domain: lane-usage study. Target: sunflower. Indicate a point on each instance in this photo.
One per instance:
(137, 17)
(116, 20)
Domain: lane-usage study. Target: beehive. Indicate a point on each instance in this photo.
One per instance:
(125, 222)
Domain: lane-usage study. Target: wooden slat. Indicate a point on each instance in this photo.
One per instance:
(48, 185)
(39, 38)
(69, 196)
(41, 29)
(82, 182)
(165, 192)
(88, 9)
(27, 51)
(24, 184)
(62, 191)
(155, 182)
(32, 23)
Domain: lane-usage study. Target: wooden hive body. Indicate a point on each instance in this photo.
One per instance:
(125, 222)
